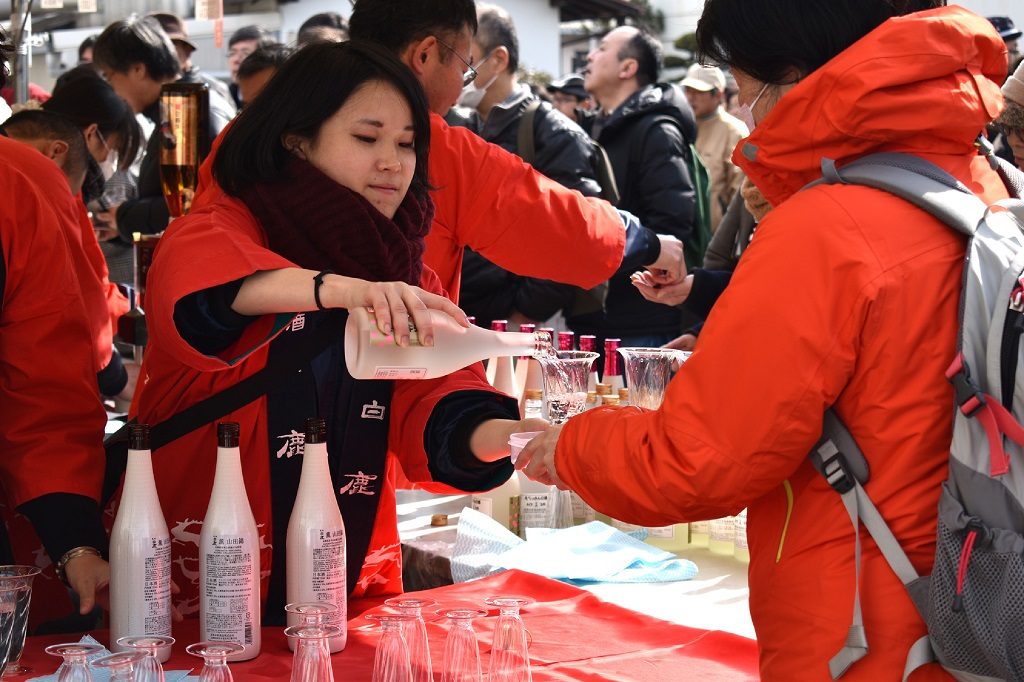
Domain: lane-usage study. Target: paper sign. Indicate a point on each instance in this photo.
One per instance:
(87, 5)
(209, 9)
(51, 4)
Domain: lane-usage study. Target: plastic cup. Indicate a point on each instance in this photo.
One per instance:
(518, 441)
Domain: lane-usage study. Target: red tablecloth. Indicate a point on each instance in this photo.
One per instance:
(576, 636)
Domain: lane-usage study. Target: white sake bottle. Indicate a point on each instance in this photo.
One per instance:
(229, 556)
(523, 364)
(504, 378)
(501, 503)
(315, 553)
(140, 552)
(370, 354)
(741, 550)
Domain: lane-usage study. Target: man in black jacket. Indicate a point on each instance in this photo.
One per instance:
(557, 147)
(646, 127)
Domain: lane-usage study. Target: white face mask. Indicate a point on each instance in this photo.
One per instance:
(109, 167)
(473, 94)
(745, 112)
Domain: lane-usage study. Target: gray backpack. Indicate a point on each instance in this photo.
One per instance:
(973, 602)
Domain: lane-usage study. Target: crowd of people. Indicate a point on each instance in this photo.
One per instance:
(398, 160)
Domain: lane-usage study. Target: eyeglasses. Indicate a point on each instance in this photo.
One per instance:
(469, 75)
(103, 140)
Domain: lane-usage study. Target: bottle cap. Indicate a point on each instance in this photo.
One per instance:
(603, 389)
(439, 520)
(527, 328)
(588, 343)
(609, 400)
(316, 430)
(499, 325)
(566, 340)
(227, 434)
(138, 436)
(533, 394)
(591, 396)
(623, 394)
(471, 318)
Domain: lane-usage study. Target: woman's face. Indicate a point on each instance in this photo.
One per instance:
(100, 146)
(367, 146)
(1016, 140)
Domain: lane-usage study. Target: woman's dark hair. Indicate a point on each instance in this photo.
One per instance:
(135, 40)
(87, 44)
(82, 96)
(251, 32)
(395, 24)
(767, 40)
(310, 88)
(325, 19)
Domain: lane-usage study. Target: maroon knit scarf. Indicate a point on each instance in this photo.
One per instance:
(318, 224)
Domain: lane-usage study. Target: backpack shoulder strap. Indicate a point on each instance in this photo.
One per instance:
(526, 145)
(913, 179)
(840, 460)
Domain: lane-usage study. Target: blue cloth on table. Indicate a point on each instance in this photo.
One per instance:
(484, 547)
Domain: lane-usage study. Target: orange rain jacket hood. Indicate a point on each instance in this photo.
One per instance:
(847, 296)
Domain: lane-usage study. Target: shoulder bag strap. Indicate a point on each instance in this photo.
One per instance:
(525, 143)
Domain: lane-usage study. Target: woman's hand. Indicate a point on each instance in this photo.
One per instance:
(291, 290)
(489, 441)
(659, 288)
(537, 460)
(89, 576)
(393, 303)
(684, 342)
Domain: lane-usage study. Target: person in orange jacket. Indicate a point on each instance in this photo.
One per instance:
(484, 197)
(846, 298)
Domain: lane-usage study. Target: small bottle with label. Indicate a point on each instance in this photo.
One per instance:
(722, 535)
(700, 533)
(315, 544)
(140, 552)
(533, 403)
(610, 400)
(612, 366)
(532, 377)
(229, 556)
(742, 550)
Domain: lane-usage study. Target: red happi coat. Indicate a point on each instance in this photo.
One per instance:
(51, 419)
(221, 243)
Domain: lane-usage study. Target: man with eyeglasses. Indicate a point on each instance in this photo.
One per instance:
(487, 198)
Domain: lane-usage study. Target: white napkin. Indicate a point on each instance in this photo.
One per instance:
(484, 547)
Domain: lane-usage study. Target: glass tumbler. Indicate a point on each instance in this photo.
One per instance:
(15, 597)
(215, 659)
(461, 652)
(122, 665)
(75, 667)
(312, 659)
(415, 632)
(149, 668)
(510, 656)
(391, 661)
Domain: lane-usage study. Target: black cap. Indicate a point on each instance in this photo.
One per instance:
(316, 430)
(570, 85)
(227, 434)
(138, 436)
(1005, 27)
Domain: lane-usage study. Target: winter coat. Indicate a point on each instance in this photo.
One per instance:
(563, 153)
(654, 184)
(847, 297)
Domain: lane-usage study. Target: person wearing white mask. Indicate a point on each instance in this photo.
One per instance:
(555, 146)
(111, 133)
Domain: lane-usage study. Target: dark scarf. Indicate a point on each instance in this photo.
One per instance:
(318, 224)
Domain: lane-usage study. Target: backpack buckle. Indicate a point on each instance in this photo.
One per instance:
(968, 396)
(837, 473)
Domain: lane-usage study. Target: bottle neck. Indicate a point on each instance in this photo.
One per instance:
(228, 476)
(316, 472)
(138, 476)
